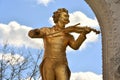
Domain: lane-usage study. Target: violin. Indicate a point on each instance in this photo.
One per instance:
(75, 28)
(78, 29)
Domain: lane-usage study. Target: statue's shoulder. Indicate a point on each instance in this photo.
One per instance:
(45, 29)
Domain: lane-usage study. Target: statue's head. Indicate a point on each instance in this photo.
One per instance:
(61, 15)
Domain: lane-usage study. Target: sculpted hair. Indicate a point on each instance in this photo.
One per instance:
(57, 13)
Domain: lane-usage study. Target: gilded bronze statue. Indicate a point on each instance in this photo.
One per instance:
(54, 65)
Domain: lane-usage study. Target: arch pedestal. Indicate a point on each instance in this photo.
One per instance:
(108, 15)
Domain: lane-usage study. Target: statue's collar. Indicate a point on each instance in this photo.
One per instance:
(56, 27)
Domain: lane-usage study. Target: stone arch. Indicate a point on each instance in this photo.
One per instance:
(108, 15)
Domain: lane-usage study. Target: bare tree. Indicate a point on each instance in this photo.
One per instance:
(19, 63)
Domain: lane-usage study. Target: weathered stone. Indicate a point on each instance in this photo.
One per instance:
(108, 15)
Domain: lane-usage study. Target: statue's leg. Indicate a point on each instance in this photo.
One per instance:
(62, 72)
(46, 70)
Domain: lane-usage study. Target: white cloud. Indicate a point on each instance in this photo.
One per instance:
(12, 59)
(17, 35)
(81, 76)
(79, 17)
(29, 78)
(85, 76)
(44, 2)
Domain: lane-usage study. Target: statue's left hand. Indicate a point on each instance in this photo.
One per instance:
(87, 30)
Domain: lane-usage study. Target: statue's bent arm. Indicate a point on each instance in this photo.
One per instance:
(75, 44)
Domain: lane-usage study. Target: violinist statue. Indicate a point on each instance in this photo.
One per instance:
(54, 65)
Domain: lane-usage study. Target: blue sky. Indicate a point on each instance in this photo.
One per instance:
(17, 17)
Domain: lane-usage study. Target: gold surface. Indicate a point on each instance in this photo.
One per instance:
(54, 65)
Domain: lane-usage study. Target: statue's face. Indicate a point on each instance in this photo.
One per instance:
(64, 18)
